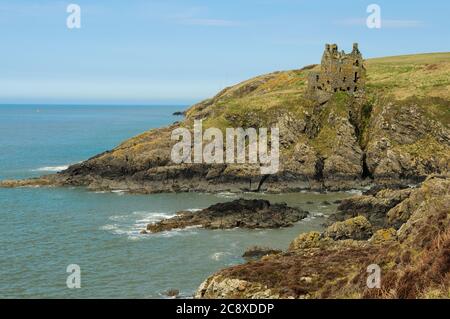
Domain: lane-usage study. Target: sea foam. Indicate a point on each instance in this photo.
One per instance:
(51, 168)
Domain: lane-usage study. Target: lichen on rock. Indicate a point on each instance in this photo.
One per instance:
(357, 228)
(383, 236)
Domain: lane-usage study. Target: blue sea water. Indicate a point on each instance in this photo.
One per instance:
(43, 230)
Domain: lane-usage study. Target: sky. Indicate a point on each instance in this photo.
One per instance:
(180, 52)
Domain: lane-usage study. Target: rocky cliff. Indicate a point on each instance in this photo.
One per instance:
(397, 132)
(413, 253)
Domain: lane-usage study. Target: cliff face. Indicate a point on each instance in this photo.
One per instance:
(413, 255)
(397, 131)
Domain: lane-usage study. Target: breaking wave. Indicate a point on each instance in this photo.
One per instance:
(51, 168)
(132, 224)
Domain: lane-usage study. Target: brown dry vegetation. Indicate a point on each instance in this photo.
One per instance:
(414, 264)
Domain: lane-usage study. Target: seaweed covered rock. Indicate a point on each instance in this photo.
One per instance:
(243, 213)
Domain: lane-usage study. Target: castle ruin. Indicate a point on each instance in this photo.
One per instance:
(339, 72)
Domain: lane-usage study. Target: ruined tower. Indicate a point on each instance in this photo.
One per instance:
(339, 72)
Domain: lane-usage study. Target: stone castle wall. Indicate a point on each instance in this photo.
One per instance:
(339, 72)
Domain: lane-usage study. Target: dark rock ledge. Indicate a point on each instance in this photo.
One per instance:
(243, 213)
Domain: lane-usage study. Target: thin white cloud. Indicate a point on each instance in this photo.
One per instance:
(385, 23)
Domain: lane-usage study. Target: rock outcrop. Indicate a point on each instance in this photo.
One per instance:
(384, 235)
(414, 260)
(373, 207)
(357, 228)
(240, 213)
(257, 252)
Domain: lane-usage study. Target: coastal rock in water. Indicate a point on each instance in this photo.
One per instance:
(243, 213)
(172, 293)
(43, 181)
(379, 187)
(357, 228)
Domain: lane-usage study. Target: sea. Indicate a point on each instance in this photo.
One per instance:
(45, 231)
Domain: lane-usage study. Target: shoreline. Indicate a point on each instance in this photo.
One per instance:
(200, 185)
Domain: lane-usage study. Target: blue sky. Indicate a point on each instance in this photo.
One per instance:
(163, 51)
